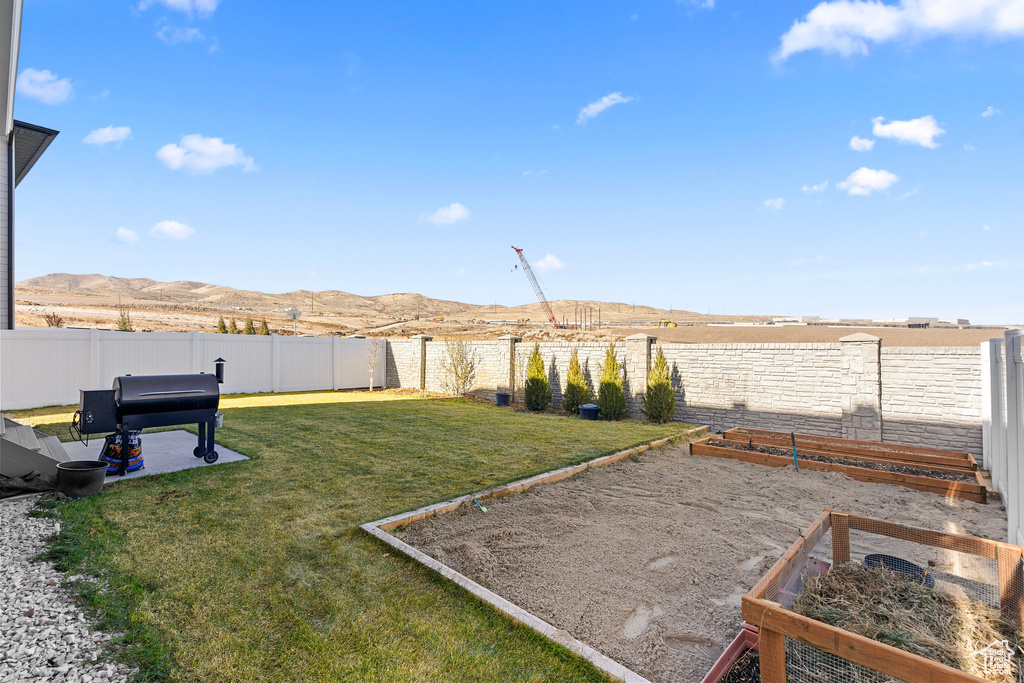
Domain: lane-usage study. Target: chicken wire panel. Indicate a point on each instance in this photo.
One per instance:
(954, 571)
(807, 664)
(813, 558)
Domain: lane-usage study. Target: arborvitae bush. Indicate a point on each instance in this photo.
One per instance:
(610, 396)
(264, 330)
(250, 326)
(576, 390)
(659, 400)
(222, 327)
(232, 327)
(538, 389)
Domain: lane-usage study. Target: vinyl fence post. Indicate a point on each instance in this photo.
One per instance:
(334, 362)
(997, 447)
(196, 353)
(1014, 433)
(275, 363)
(94, 358)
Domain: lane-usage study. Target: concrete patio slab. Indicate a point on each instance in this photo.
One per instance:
(162, 452)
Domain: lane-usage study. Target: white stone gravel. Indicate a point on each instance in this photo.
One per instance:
(44, 636)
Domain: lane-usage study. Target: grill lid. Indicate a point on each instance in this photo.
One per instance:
(145, 394)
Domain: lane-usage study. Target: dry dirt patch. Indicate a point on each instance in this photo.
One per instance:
(647, 560)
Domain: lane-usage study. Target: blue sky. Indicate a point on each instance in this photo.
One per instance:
(694, 155)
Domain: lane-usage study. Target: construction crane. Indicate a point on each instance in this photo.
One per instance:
(536, 289)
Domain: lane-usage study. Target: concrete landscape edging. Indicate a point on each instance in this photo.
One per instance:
(380, 528)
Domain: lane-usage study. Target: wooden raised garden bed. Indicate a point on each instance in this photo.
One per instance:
(796, 648)
(849, 447)
(946, 473)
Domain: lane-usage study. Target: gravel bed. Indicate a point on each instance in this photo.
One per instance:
(44, 636)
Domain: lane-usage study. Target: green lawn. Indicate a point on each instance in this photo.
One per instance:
(258, 571)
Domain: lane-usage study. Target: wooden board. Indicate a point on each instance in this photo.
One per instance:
(877, 455)
(770, 617)
(973, 492)
(814, 449)
(848, 444)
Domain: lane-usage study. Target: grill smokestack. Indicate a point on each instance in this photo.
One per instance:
(219, 365)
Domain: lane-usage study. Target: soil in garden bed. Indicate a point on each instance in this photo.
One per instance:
(881, 466)
(647, 560)
(747, 669)
(886, 606)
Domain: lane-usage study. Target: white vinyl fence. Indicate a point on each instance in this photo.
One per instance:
(1003, 424)
(47, 366)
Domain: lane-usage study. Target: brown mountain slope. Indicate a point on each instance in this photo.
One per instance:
(99, 290)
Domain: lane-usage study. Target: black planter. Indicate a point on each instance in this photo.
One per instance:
(589, 411)
(80, 478)
(502, 398)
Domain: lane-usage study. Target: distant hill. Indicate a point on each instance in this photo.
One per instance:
(102, 290)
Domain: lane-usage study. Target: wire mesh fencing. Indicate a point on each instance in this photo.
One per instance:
(980, 583)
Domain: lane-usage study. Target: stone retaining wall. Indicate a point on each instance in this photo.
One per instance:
(930, 396)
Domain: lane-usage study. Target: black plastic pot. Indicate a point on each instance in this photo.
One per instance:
(80, 478)
(501, 398)
(589, 411)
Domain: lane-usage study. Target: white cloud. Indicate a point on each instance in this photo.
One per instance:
(594, 108)
(909, 194)
(535, 172)
(172, 35)
(846, 27)
(991, 111)
(774, 204)
(43, 86)
(172, 230)
(969, 147)
(922, 131)
(103, 136)
(864, 181)
(858, 144)
(446, 215)
(203, 8)
(199, 154)
(986, 227)
(127, 236)
(814, 189)
(703, 4)
(986, 264)
(549, 262)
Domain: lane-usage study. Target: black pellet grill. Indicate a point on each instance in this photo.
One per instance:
(142, 401)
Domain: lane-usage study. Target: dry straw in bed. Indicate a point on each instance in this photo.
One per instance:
(883, 605)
